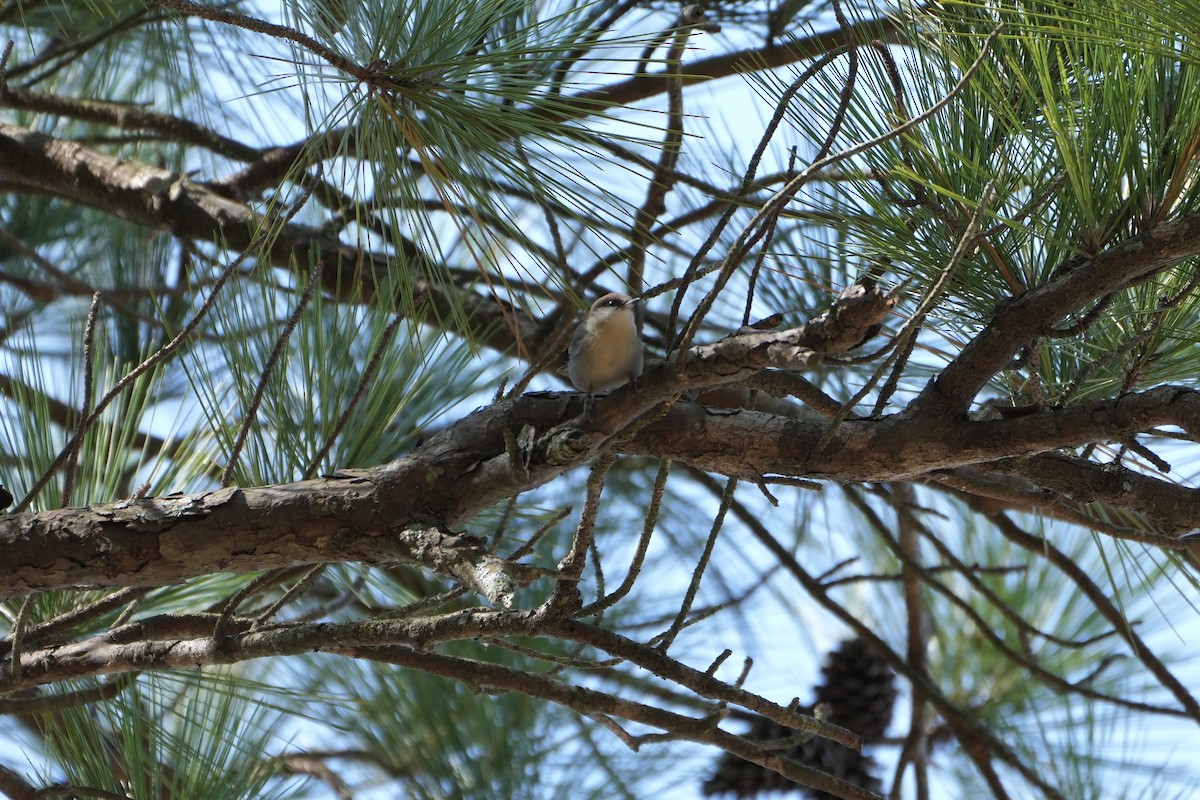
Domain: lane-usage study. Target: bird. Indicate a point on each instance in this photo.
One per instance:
(606, 350)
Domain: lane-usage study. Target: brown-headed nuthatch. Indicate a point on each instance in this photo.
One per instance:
(606, 350)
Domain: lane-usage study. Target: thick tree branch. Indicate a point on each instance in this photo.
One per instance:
(771, 56)
(186, 641)
(400, 512)
(494, 677)
(900, 447)
(114, 654)
(1011, 491)
(1025, 318)
(397, 512)
(154, 541)
(129, 116)
(167, 201)
(1173, 508)
(390, 513)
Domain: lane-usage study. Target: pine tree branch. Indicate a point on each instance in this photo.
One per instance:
(167, 201)
(495, 678)
(770, 56)
(185, 642)
(1025, 318)
(398, 512)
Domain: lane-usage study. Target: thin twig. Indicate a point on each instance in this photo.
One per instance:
(689, 597)
(14, 786)
(260, 391)
(85, 406)
(45, 632)
(597, 568)
(639, 555)
(660, 183)
(368, 375)
(423, 605)
(754, 229)
(59, 701)
(298, 588)
(18, 636)
(756, 270)
(270, 29)
(907, 337)
(916, 745)
(229, 606)
(693, 271)
(265, 233)
(542, 530)
(565, 595)
(127, 612)
(1102, 604)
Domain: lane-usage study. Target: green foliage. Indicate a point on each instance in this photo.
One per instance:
(1082, 142)
(167, 736)
(436, 739)
(463, 159)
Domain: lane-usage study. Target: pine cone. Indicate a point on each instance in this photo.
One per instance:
(859, 690)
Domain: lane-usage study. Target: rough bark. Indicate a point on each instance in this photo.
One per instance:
(403, 511)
